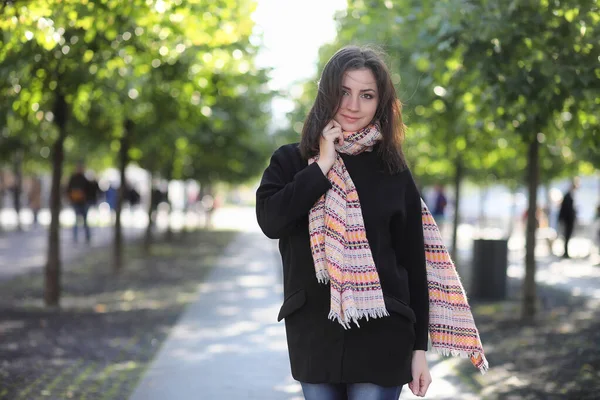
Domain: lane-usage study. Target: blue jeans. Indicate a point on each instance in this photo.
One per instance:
(349, 391)
(81, 210)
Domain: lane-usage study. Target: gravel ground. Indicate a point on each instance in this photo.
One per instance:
(108, 329)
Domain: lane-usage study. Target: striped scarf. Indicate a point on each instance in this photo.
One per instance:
(342, 257)
(451, 325)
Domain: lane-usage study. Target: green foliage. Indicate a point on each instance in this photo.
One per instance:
(182, 71)
(480, 80)
(539, 64)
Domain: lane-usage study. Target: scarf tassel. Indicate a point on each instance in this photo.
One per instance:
(477, 358)
(353, 315)
(323, 276)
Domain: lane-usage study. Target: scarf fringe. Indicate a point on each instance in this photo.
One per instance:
(353, 315)
(483, 366)
(323, 276)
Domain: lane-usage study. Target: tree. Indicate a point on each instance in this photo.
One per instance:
(538, 61)
(94, 66)
(486, 105)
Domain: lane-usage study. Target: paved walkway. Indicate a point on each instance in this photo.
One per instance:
(25, 251)
(229, 345)
(579, 275)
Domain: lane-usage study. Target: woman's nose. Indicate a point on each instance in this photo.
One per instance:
(352, 103)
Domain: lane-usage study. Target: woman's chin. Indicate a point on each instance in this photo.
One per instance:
(353, 126)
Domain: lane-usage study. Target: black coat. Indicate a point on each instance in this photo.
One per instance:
(78, 182)
(567, 213)
(321, 351)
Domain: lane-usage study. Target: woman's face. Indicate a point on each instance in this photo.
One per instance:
(359, 100)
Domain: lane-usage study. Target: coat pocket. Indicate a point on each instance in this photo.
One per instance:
(292, 303)
(396, 306)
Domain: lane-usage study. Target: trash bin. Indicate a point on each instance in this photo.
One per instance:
(490, 263)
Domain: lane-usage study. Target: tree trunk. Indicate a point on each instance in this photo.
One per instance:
(169, 176)
(123, 161)
(548, 210)
(458, 175)
(18, 189)
(1, 197)
(53, 264)
(529, 289)
(148, 235)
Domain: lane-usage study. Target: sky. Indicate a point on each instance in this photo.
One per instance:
(293, 31)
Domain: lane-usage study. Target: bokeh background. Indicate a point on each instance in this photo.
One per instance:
(172, 109)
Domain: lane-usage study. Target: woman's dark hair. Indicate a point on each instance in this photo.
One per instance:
(327, 103)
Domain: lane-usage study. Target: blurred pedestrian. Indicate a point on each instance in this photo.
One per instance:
(132, 196)
(155, 199)
(209, 204)
(568, 214)
(543, 229)
(541, 219)
(111, 197)
(35, 198)
(93, 190)
(439, 204)
(78, 191)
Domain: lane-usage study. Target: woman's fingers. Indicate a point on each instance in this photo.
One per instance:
(415, 387)
(330, 125)
(336, 132)
(420, 384)
(333, 132)
(424, 383)
(422, 388)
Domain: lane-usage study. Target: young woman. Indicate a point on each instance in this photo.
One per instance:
(347, 214)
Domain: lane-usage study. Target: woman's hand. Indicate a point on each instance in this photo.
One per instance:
(327, 153)
(420, 372)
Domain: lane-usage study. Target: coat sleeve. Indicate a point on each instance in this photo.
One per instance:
(410, 250)
(284, 196)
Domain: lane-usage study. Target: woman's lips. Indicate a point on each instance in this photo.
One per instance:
(350, 119)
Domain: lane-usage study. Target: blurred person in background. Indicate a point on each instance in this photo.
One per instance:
(439, 204)
(79, 192)
(209, 204)
(111, 196)
(156, 197)
(543, 228)
(351, 343)
(132, 196)
(568, 214)
(93, 190)
(35, 198)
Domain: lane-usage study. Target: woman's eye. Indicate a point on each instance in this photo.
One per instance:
(367, 96)
(344, 93)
